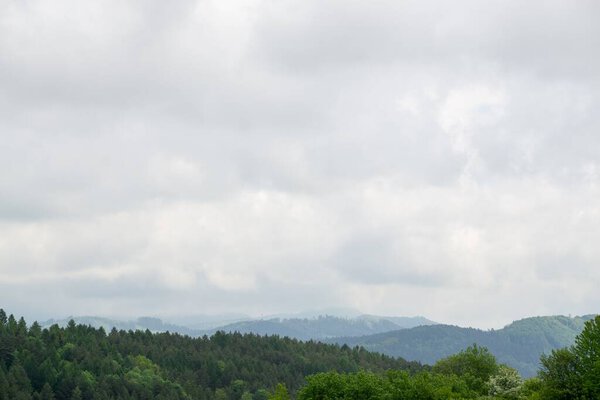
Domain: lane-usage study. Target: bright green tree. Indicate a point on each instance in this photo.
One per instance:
(475, 365)
(559, 376)
(280, 393)
(574, 373)
(587, 354)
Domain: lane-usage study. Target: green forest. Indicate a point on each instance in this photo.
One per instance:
(81, 362)
(518, 345)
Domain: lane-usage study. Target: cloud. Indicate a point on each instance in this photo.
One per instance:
(266, 156)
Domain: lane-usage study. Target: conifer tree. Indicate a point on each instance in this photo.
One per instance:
(3, 385)
(46, 393)
(77, 395)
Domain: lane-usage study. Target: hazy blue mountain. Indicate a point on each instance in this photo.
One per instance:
(205, 321)
(300, 328)
(323, 326)
(519, 344)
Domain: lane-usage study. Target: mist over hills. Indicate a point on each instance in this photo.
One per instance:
(316, 328)
(323, 327)
(139, 324)
(518, 344)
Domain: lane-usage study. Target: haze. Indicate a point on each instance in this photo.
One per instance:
(395, 157)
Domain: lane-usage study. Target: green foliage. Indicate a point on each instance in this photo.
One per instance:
(395, 385)
(3, 382)
(587, 353)
(77, 395)
(531, 389)
(46, 393)
(518, 345)
(475, 365)
(559, 375)
(574, 373)
(280, 393)
(82, 362)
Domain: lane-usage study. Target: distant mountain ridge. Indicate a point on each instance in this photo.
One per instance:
(518, 344)
(323, 327)
(315, 328)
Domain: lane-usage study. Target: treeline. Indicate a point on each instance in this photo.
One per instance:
(567, 374)
(81, 362)
(519, 344)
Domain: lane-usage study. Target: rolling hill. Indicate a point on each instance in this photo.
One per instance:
(323, 327)
(519, 344)
(315, 328)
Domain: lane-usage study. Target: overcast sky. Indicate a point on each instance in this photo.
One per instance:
(421, 157)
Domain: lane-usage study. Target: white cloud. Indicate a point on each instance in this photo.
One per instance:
(276, 156)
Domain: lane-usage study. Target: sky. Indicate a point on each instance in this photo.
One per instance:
(269, 156)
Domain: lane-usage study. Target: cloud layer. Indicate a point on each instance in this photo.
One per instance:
(267, 156)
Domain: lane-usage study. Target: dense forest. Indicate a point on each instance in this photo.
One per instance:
(571, 373)
(80, 362)
(518, 345)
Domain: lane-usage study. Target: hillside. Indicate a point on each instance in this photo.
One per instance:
(315, 328)
(324, 327)
(143, 365)
(519, 344)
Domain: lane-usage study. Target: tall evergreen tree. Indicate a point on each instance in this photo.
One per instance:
(46, 393)
(77, 395)
(3, 385)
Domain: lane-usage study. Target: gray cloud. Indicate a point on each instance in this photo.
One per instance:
(267, 156)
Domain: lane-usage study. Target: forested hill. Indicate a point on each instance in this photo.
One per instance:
(324, 327)
(316, 328)
(519, 344)
(82, 362)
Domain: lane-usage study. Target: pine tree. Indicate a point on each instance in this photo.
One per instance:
(18, 381)
(76, 394)
(3, 385)
(46, 393)
(35, 330)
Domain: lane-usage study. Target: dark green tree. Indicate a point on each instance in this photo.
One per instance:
(19, 386)
(46, 393)
(559, 375)
(77, 395)
(3, 385)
